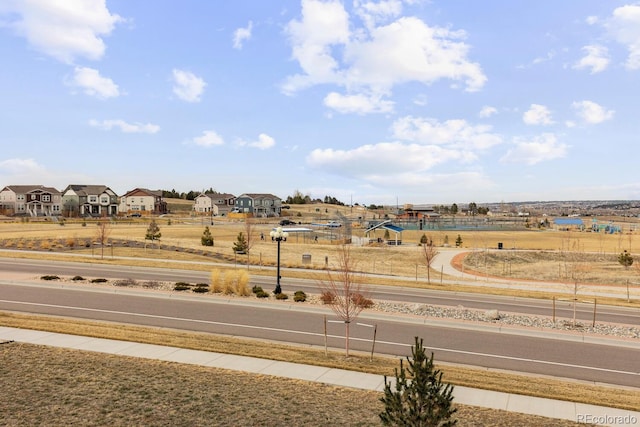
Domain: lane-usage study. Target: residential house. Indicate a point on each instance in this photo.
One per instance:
(258, 204)
(32, 200)
(214, 203)
(143, 201)
(89, 200)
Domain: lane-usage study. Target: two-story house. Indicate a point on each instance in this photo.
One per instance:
(32, 200)
(89, 200)
(258, 204)
(144, 202)
(214, 203)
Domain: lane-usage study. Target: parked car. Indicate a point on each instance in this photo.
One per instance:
(287, 222)
(135, 215)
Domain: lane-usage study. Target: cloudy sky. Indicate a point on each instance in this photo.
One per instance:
(385, 102)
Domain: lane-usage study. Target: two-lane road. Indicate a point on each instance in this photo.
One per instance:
(288, 322)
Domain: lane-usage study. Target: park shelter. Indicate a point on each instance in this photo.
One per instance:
(386, 225)
(568, 223)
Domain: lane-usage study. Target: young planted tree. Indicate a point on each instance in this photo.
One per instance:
(240, 245)
(207, 238)
(347, 290)
(249, 238)
(102, 235)
(153, 232)
(429, 253)
(419, 397)
(625, 259)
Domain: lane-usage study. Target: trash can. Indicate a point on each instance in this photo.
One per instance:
(499, 245)
(306, 258)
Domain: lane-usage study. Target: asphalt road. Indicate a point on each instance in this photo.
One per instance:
(558, 355)
(266, 279)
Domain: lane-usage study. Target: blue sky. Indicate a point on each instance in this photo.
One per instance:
(385, 102)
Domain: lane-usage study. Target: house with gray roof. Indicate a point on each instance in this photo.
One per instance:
(258, 205)
(89, 200)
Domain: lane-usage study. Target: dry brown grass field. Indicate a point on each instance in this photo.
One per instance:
(527, 254)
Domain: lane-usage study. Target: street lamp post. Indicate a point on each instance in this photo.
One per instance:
(278, 235)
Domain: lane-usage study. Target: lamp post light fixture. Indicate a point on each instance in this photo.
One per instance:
(278, 235)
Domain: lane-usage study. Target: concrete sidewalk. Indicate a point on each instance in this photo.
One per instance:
(337, 377)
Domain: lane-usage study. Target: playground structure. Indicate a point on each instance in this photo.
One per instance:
(607, 228)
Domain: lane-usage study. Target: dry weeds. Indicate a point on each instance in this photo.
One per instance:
(47, 386)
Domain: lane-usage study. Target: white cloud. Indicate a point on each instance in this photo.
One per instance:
(592, 113)
(374, 12)
(624, 26)
(375, 58)
(591, 20)
(359, 104)
(92, 83)
(537, 115)
(487, 111)
(538, 149)
(241, 35)
(187, 86)
(596, 59)
(457, 134)
(124, 126)
(20, 167)
(385, 158)
(208, 138)
(65, 29)
(264, 142)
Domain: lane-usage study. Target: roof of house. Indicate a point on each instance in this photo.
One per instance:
(155, 193)
(22, 189)
(259, 196)
(88, 190)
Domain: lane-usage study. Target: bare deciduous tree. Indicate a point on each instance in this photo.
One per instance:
(345, 286)
(102, 235)
(250, 238)
(429, 253)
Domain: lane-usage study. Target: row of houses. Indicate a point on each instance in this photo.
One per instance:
(101, 201)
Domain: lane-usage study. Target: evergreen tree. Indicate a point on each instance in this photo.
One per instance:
(459, 241)
(625, 259)
(240, 245)
(419, 397)
(207, 238)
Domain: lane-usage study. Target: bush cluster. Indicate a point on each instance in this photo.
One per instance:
(50, 277)
(181, 286)
(299, 296)
(99, 280)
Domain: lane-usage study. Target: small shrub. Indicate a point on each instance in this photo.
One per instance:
(262, 294)
(361, 301)
(256, 289)
(100, 280)
(282, 296)
(77, 278)
(242, 284)
(299, 296)
(327, 297)
(181, 286)
(71, 243)
(50, 277)
(45, 244)
(216, 285)
(201, 288)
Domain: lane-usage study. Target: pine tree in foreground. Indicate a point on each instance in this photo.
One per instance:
(419, 397)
